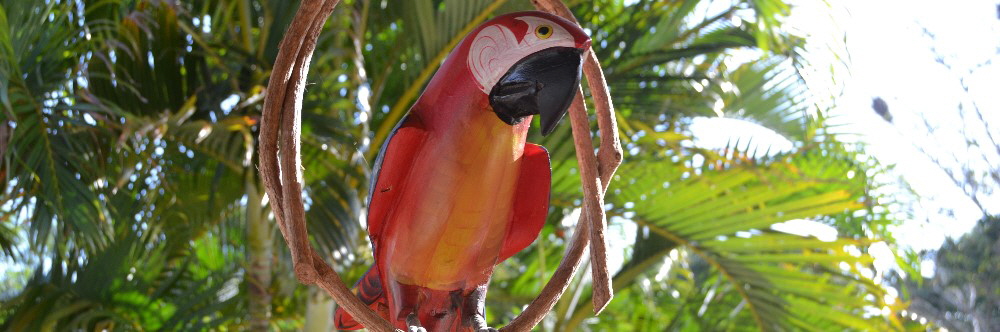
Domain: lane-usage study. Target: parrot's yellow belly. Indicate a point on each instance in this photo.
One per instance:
(451, 222)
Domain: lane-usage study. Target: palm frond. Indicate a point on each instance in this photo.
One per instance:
(133, 283)
(724, 217)
(46, 159)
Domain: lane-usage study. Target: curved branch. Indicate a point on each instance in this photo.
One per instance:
(609, 157)
(595, 176)
(554, 289)
(281, 122)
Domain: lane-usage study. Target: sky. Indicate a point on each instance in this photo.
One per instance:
(890, 54)
(893, 46)
(890, 49)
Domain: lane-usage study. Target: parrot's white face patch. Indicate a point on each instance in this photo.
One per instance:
(495, 48)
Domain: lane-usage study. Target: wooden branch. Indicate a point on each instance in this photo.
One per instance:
(609, 157)
(554, 289)
(281, 123)
(593, 208)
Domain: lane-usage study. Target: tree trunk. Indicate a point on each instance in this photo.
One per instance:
(259, 253)
(319, 312)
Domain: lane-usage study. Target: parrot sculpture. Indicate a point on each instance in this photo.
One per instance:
(456, 189)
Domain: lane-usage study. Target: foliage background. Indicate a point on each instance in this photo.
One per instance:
(131, 200)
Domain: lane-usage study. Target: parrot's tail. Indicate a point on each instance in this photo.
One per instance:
(369, 291)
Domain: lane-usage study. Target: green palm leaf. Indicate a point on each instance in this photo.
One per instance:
(130, 284)
(723, 217)
(48, 157)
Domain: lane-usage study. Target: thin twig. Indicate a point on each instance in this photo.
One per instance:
(553, 290)
(592, 218)
(290, 148)
(608, 158)
(281, 123)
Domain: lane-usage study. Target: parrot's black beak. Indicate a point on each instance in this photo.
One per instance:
(544, 83)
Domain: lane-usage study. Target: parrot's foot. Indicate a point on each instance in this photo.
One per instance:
(479, 323)
(414, 324)
(476, 309)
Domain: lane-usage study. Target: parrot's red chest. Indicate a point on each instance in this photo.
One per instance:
(451, 218)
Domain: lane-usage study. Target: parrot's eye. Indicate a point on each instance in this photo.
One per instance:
(543, 31)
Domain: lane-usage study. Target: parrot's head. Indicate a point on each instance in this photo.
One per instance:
(528, 63)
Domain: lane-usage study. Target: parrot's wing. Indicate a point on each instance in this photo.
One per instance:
(369, 291)
(531, 200)
(392, 167)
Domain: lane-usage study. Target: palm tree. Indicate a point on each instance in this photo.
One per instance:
(128, 133)
(133, 135)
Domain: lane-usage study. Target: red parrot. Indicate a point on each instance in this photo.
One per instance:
(457, 190)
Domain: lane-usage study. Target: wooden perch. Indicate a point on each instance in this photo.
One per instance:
(595, 176)
(281, 122)
(607, 161)
(281, 171)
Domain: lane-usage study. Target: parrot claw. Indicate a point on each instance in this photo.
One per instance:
(414, 324)
(480, 324)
